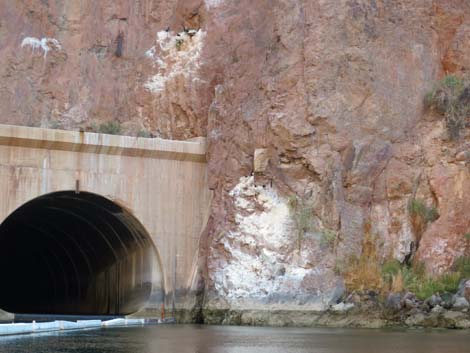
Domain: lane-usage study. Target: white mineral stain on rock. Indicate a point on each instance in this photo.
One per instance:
(44, 44)
(174, 56)
(405, 239)
(213, 3)
(261, 263)
(272, 226)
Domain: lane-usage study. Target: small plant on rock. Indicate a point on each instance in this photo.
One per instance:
(418, 208)
(179, 43)
(462, 266)
(390, 269)
(399, 277)
(451, 98)
(340, 267)
(144, 133)
(424, 286)
(328, 238)
(54, 124)
(110, 127)
(302, 214)
(33, 123)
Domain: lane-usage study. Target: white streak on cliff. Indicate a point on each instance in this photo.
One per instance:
(45, 44)
(261, 247)
(271, 225)
(405, 239)
(175, 56)
(213, 3)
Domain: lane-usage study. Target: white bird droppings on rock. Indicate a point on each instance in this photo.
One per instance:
(175, 56)
(213, 3)
(45, 44)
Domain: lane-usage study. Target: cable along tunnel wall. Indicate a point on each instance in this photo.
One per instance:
(68, 253)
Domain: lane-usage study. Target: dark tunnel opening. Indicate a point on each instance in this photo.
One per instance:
(80, 254)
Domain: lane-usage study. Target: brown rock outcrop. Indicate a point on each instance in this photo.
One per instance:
(59, 67)
(445, 240)
(336, 91)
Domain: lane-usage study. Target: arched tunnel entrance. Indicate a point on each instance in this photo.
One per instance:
(76, 253)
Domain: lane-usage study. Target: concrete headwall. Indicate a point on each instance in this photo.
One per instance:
(162, 183)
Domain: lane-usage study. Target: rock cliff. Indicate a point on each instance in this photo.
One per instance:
(325, 98)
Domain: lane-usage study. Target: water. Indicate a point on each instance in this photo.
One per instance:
(216, 339)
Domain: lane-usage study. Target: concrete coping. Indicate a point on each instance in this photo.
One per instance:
(90, 142)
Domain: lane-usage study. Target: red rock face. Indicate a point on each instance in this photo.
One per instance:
(80, 81)
(331, 90)
(446, 239)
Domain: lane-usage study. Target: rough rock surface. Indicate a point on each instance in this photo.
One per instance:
(336, 95)
(331, 90)
(59, 67)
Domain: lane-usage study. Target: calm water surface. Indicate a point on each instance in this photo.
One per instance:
(216, 339)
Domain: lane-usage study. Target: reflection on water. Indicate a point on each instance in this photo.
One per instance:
(217, 339)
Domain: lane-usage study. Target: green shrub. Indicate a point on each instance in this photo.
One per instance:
(462, 266)
(302, 214)
(418, 208)
(340, 266)
(444, 97)
(54, 124)
(425, 286)
(111, 127)
(391, 273)
(449, 281)
(144, 133)
(390, 268)
(453, 83)
(328, 238)
(33, 123)
(451, 97)
(417, 281)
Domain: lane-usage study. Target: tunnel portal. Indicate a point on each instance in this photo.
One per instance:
(76, 253)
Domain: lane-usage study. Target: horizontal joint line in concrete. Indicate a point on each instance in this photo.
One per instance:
(87, 142)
